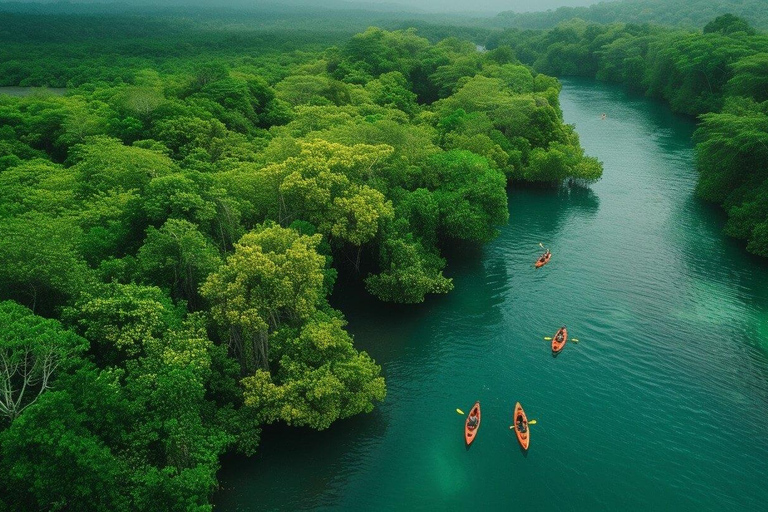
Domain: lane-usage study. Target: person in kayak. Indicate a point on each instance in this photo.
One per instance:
(521, 425)
(559, 336)
(473, 420)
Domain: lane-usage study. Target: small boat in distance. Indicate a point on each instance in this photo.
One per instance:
(543, 260)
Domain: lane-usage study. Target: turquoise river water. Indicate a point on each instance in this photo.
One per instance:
(663, 405)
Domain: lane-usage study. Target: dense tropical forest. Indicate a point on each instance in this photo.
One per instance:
(719, 74)
(174, 225)
(175, 222)
(690, 14)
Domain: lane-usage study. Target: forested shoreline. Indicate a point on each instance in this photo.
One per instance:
(173, 227)
(719, 75)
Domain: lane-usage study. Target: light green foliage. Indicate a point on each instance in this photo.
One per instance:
(36, 185)
(320, 376)
(105, 165)
(275, 275)
(122, 319)
(320, 186)
(391, 90)
(559, 162)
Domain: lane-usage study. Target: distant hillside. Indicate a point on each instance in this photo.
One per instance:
(682, 13)
(331, 16)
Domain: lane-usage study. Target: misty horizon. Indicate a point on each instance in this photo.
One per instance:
(425, 6)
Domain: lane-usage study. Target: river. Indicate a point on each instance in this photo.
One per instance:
(663, 405)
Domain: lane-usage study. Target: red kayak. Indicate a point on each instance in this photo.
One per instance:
(557, 345)
(471, 431)
(521, 426)
(543, 260)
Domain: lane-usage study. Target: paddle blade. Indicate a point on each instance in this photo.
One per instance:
(531, 422)
(574, 340)
(547, 338)
(460, 411)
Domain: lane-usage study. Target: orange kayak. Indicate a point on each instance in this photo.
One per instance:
(523, 435)
(471, 432)
(557, 346)
(543, 260)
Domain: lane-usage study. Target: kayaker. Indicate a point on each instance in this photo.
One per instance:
(559, 336)
(521, 426)
(473, 419)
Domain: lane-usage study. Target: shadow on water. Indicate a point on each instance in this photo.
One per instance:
(292, 454)
(546, 211)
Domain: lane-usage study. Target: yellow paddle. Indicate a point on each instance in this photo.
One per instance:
(531, 422)
(549, 338)
(460, 411)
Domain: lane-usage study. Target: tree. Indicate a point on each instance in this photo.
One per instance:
(409, 271)
(178, 257)
(728, 24)
(105, 164)
(122, 319)
(52, 461)
(32, 349)
(275, 276)
(471, 195)
(41, 266)
(750, 76)
(321, 377)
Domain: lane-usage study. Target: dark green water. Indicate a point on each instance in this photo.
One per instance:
(662, 406)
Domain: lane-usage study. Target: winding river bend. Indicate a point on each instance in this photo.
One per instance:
(662, 406)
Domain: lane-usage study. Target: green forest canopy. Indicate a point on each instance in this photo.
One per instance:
(174, 225)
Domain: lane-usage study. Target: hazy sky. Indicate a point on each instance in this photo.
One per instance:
(486, 5)
(466, 6)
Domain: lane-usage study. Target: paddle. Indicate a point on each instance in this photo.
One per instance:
(549, 338)
(460, 411)
(531, 422)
